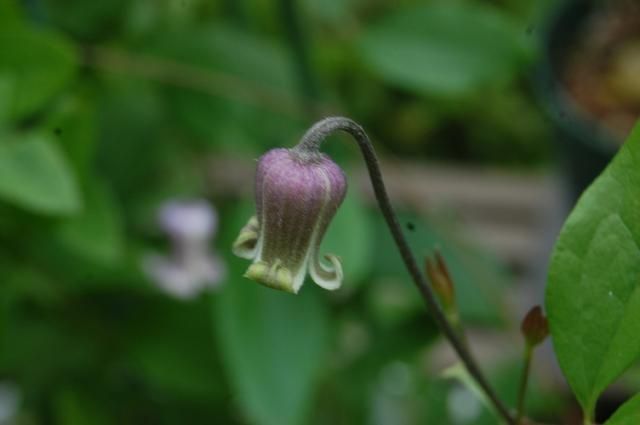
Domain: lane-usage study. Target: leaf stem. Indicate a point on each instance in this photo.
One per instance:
(310, 144)
(524, 379)
(588, 412)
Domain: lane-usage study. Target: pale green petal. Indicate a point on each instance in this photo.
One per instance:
(276, 276)
(326, 276)
(246, 245)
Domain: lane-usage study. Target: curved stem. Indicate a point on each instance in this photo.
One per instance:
(309, 145)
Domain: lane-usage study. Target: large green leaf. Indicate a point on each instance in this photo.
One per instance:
(35, 176)
(173, 351)
(627, 414)
(40, 64)
(593, 293)
(444, 48)
(273, 343)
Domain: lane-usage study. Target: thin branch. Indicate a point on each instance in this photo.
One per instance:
(309, 145)
(524, 379)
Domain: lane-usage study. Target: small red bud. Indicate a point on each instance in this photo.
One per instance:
(443, 267)
(441, 281)
(535, 326)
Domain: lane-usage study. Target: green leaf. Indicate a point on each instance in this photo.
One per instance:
(87, 20)
(72, 124)
(9, 13)
(272, 343)
(133, 138)
(75, 408)
(593, 292)
(244, 82)
(173, 350)
(627, 414)
(39, 62)
(35, 176)
(96, 234)
(6, 93)
(444, 49)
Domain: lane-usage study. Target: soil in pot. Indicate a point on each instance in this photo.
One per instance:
(602, 72)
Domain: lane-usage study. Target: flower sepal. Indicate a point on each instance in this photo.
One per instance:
(297, 195)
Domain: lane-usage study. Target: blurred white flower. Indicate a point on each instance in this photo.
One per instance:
(9, 403)
(191, 267)
(188, 221)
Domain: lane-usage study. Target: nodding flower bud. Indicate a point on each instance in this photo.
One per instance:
(297, 194)
(535, 326)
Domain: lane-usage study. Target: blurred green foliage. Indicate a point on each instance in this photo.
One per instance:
(108, 108)
(445, 49)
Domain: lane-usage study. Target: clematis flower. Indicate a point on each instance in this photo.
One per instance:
(188, 221)
(297, 194)
(190, 267)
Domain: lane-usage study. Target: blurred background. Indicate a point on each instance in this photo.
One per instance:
(128, 137)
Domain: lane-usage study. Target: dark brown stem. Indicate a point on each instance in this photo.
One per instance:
(310, 145)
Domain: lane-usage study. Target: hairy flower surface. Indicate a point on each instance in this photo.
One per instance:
(297, 195)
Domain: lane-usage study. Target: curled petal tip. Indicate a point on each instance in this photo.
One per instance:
(327, 277)
(246, 243)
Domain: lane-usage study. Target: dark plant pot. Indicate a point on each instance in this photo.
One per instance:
(583, 146)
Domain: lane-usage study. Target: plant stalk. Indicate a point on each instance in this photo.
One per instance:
(310, 145)
(523, 383)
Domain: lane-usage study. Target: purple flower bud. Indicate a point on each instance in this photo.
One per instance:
(297, 195)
